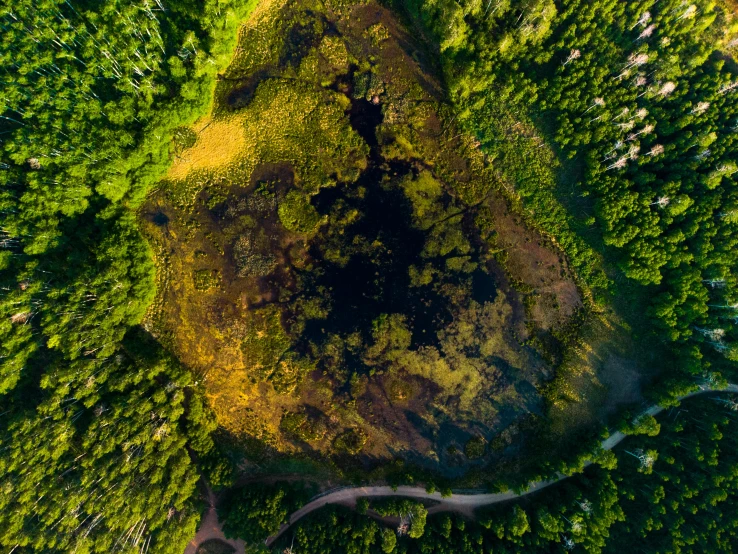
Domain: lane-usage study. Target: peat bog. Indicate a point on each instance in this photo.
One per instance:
(342, 280)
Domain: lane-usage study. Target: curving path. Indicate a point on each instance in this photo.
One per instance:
(461, 503)
(617, 436)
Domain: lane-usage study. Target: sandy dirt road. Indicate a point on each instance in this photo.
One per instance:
(461, 503)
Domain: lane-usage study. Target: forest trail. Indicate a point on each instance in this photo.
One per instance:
(461, 503)
(210, 529)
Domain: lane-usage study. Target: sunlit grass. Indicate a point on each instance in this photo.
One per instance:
(218, 143)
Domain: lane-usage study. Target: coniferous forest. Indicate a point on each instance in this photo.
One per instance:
(252, 251)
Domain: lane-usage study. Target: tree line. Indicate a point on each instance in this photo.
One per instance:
(100, 429)
(668, 488)
(641, 104)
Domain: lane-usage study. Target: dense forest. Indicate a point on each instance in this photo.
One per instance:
(104, 434)
(640, 100)
(98, 432)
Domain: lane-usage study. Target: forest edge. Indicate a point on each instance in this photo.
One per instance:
(464, 504)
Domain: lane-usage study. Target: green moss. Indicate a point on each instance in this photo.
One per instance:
(313, 308)
(297, 214)
(266, 342)
(461, 263)
(475, 448)
(378, 33)
(216, 197)
(392, 338)
(266, 349)
(424, 193)
(298, 425)
(367, 85)
(350, 442)
(326, 62)
(206, 279)
(290, 372)
(400, 389)
(291, 121)
(420, 277)
(265, 189)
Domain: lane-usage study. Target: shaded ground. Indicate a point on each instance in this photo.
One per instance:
(461, 503)
(464, 504)
(210, 530)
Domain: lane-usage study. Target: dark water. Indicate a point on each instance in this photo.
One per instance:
(484, 286)
(364, 117)
(242, 94)
(160, 218)
(377, 282)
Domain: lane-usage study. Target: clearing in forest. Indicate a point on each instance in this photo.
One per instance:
(337, 260)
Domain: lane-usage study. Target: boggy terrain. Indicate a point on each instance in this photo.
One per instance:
(337, 259)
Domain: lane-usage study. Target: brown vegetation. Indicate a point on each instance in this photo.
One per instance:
(268, 212)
